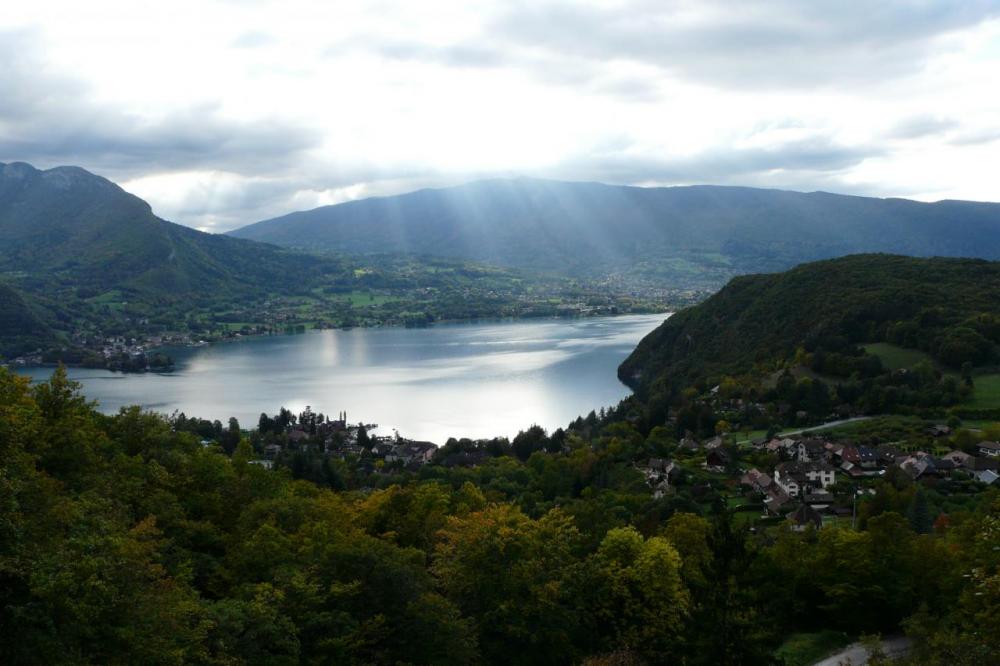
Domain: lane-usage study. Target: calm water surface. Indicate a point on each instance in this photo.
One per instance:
(462, 380)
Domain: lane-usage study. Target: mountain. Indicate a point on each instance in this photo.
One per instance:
(698, 235)
(21, 329)
(82, 229)
(948, 308)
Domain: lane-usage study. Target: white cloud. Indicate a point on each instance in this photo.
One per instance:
(223, 113)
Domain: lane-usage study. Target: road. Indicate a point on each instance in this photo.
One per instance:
(824, 426)
(856, 654)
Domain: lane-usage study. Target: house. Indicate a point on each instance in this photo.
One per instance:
(775, 500)
(811, 450)
(819, 499)
(889, 455)
(987, 476)
(756, 480)
(914, 467)
(660, 467)
(296, 436)
(959, 458)
(713, 443)
(688, 444)
(850, 454)
(938, 431)
(868, 458)
(412, 453)
(794, 477)
(271, 451)
(785, 447)
(718, 459)
(991, 449)
(804, 516)
(660, 475)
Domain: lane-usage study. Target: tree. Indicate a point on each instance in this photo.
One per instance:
(231, 438)
(528, 441)
(632, 596)
(919, 513)
(364, 441)
(509, 573)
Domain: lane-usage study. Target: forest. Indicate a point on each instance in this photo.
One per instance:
(126, 539)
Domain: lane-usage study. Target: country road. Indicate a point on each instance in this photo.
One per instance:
(824, 426)
(856, 654)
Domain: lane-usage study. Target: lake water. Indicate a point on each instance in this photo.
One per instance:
(463, 380)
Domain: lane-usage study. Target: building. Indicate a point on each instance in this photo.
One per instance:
(409, 453)
(991, 449)
(794, 477)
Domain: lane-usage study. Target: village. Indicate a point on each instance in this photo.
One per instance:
(314, 433)
(816, 480)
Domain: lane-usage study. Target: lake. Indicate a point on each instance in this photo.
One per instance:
(464, 380)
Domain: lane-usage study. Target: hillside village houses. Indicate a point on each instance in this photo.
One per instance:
(801, 484)
(339, 439)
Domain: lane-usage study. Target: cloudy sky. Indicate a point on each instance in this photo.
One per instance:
(224, 113)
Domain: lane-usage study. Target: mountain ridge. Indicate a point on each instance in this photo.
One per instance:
(69, 221)
(694, 235)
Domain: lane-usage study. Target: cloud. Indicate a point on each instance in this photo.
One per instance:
(258, 111)
(50, 118)
(778, 44)
(916, 127)
(817, 154)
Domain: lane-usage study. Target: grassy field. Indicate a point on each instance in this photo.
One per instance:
(986, 394)
(896, 358)
(806, 649)
(360, 299)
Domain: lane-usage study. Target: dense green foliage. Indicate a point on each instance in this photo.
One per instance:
(125, 540)
(682, 236)
(815, 319)
(20, 328)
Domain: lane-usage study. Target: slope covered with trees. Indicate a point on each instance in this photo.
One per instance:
(94, 262)
(72, 227)
(949, 308)
(123, 539)
(20, 328)
(686, 236)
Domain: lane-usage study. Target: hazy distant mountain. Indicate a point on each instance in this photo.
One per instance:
(85, 230)
(686, 233)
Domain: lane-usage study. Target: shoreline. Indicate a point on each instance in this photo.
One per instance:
(240, 337)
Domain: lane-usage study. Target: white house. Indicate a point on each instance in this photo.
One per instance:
(793, 477)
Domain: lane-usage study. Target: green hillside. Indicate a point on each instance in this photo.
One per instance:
(20, 328)
(947, 308)
(79, 228)
(682, 236)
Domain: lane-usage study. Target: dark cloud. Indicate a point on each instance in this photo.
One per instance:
(49, 119)
(779, 44)
(818, 156)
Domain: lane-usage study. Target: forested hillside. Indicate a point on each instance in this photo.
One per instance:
(94, 262)
(683, 236)
(124, 539)
(949, 308)
(20, 328)
(69, 226)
